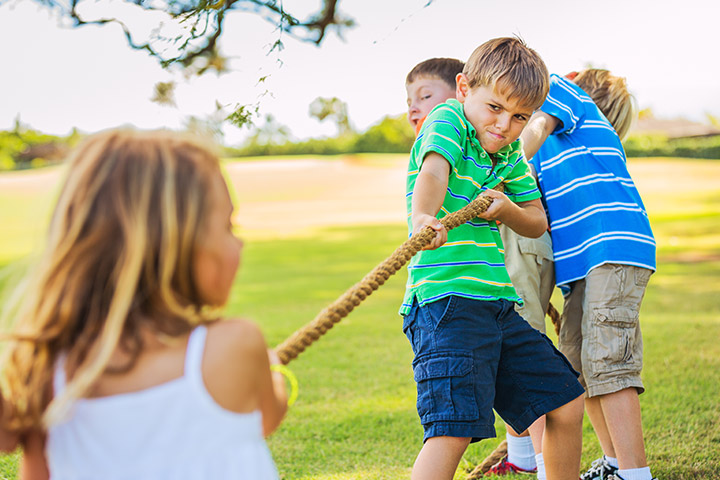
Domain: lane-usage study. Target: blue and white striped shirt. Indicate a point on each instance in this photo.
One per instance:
(596, 214)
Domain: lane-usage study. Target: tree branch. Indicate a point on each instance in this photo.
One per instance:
(203, 22)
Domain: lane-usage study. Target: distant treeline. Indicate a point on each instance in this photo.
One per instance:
(390, 135)
(658, 145)
(394, 135)
(24, 147)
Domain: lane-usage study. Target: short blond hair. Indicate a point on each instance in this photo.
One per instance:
(610, 94)
(512, 68)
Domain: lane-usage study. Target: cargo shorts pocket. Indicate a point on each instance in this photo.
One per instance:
(445, 387)
(615, 342)
(642, 277)
(539, 247)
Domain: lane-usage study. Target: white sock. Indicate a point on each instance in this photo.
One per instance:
(540, 462)
(612, 461)
(520, 452)
(636, 474)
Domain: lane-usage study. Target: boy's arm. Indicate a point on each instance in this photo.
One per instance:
(428, 196)
(525, 218)
(539, 127)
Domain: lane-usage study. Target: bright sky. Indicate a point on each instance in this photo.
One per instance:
(58, 78)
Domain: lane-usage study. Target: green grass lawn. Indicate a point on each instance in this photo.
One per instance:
(355, 417)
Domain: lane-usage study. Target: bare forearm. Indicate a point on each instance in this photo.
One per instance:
(428, 197)
(273, 415)
(430, 186)
(273, 400)
(527, 219)
(540, 126)
(33, 465)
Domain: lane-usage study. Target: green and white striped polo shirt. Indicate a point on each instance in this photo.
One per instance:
(471, 263)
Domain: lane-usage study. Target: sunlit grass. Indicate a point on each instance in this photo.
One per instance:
(355, 417)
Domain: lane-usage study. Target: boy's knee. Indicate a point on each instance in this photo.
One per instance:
(450, 443)
(571, 412)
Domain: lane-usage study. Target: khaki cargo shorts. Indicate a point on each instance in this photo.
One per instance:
(529, 262)
(600, 328)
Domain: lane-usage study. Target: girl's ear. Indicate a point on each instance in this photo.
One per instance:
(462, 88)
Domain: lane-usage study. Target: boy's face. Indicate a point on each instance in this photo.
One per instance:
(498, 121)
(423, 94)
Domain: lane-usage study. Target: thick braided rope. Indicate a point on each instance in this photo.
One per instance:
(554, 317)
(340, 308)
(494, 457)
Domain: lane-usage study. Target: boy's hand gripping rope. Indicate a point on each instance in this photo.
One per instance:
(340, 308)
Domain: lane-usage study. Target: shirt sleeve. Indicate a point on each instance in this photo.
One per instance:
(520, 185)
(564, 102)
(442, 132)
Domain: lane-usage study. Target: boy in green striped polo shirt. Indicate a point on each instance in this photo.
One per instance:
(473, 352)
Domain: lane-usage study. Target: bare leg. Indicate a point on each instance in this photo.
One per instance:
(439, 458)
(521, 448)
(562, 441)
(595, 413)
(513, 433)
(624, 422)
(536, 431)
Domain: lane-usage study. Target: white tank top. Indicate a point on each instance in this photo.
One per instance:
(174, 430)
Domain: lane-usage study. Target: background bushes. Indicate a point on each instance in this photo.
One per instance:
(658, 145)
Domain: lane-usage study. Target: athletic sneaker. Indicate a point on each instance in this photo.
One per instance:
(600, 469)
(503, 467)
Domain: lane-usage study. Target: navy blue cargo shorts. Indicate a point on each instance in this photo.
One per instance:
(472, 356)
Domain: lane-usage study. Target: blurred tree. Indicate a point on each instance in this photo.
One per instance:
(186, 33)
(391, 135)
(272, 132)
(646, 113)
(164, 94)
(712, 119)
(333, 108)
(209, 127)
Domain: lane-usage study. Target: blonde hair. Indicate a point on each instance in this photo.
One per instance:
(508, 65)
(611, 95)
(118, 260)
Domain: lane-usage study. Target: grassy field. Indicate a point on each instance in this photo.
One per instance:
(355, 417)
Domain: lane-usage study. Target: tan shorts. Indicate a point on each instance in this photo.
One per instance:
(529, 263)
(600, 328)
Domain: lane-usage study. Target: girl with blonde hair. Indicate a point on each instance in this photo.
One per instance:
(118, 355)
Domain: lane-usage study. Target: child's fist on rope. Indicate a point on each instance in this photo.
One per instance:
(424, 220)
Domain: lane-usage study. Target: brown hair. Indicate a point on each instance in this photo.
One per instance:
(118, 260)
(446, 69)
(611, 95)
(508, 65)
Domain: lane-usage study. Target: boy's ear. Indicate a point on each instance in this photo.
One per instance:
(462, 88)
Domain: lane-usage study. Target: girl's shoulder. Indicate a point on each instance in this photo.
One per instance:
(235, 355)
(235, 335)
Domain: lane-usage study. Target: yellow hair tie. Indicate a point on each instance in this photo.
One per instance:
(287, 373)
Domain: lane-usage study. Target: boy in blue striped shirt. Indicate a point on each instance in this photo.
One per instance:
(604, 254)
